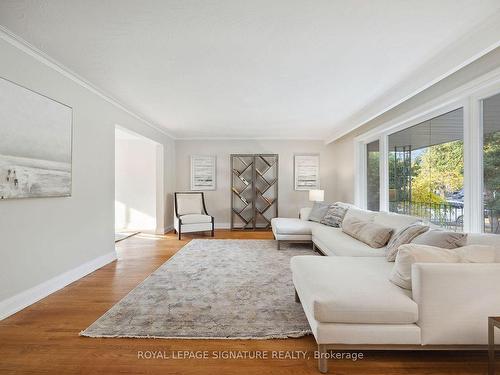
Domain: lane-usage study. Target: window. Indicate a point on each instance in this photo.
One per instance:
(373, 176)
(426, 170)
(491, 164)
(439, 161)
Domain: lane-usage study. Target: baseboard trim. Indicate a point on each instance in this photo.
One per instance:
(222, 225)
(166, 229)
(22, 300)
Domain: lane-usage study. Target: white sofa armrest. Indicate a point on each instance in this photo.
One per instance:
(454, 301)
(304, 213)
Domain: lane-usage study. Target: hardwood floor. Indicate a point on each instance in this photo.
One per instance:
(43, 338)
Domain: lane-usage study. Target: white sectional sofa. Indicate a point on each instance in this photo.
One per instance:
(332, 241)
(351, 304)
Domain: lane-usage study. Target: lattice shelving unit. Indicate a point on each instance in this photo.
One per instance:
(254, 190)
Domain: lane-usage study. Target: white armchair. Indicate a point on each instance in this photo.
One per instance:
(190, 213)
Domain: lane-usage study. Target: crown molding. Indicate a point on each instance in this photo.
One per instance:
(248, 139)
(31, 50)
(475, 44)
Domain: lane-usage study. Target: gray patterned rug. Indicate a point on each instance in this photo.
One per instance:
(226, 289)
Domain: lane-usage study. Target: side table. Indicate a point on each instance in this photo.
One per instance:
(493, 321)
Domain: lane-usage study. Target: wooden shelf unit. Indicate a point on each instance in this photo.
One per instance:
(254, 190)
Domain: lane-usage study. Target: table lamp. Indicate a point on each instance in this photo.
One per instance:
(317, 195)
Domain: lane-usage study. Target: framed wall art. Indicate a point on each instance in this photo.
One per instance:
(35, 144)
(306, 171)
(203, 172)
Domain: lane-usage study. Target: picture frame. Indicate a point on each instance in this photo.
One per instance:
(306, 172)
(203, 172)
(36, 139)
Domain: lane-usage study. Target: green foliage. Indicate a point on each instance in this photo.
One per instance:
(440, 171)
(421, 192)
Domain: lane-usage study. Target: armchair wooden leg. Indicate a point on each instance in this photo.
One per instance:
(213, 227)
(297, 298)
(279, 245)
(179, 232)
(322, 360)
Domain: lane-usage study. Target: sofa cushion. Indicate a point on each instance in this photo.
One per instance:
(441, 238)
(332, 241)
(195, 219)
(345, 205)
(478, 254)
(284, 225)
(304, 213)
(403, 236)
(359, 214)
(318, 211)
(413, 253)
(372, 234)
(395, 221)
(410, 254)
(351, 290)
(334, 216)
(485, 239)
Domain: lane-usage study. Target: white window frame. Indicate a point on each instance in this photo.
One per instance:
(476, 156)
(469, 97)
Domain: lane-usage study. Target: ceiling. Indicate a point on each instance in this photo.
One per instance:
(256, 69)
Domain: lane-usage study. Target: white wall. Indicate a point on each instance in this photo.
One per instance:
(219, 201)
(46, 237)
(135, 184)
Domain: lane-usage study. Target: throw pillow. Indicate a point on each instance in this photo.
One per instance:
(395, 221)
(318, 211)
(404, 236)
(413, 253)
(374, 235)
(358, 213)
(441, 238)
(334, 216)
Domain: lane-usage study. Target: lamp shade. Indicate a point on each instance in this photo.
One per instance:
(317, 195)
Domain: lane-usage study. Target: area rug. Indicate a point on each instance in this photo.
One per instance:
(213, 289)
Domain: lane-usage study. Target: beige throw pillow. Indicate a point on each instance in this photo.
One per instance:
(404, 236)
(413, 253)
(441, 238)
(372, 234)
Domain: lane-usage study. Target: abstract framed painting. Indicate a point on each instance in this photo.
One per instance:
(306, 171)
(35, 144)
(203, 172)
